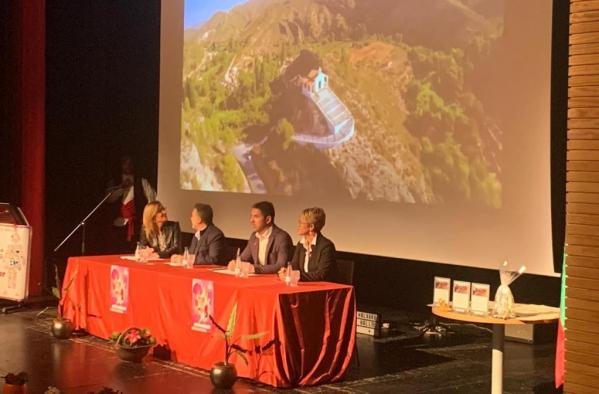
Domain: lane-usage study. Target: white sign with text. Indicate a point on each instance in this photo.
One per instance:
(441, 289)
(461, 296)
(479, 299)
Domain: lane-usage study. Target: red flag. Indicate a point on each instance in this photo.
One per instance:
(128, 212)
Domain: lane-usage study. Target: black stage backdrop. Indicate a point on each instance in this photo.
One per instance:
(102, 64)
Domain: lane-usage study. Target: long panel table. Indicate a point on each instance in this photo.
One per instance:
(313, 325)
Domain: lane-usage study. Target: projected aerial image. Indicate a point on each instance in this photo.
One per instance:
(365, 99)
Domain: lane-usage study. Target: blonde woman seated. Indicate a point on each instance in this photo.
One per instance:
(314, 255)
(158, 233)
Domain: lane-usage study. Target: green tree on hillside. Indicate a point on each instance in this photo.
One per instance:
(285, 130)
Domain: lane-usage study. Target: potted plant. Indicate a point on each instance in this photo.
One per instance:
(133, 343)
(223, 374)
(62, 328)
(15, 384)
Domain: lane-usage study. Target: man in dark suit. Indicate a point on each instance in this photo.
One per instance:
(314, 254)
(269, 247)
(208, 242)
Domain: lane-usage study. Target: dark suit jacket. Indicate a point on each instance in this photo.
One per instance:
(278, 251)
(211, 247)
(321, 265)
(172, 240)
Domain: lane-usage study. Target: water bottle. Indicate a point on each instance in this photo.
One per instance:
(138, 252)
(237, 264)
(186, 262)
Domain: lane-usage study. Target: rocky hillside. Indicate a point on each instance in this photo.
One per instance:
(421, 134)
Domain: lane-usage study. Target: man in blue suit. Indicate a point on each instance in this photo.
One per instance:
(269, 247)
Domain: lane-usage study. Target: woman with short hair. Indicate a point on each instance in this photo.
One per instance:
(314, 254)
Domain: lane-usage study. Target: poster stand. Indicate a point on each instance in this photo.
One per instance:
(15, 255)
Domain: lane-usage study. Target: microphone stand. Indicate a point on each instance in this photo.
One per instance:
(82, 224)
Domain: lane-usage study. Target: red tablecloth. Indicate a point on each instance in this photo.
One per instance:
(313, 324)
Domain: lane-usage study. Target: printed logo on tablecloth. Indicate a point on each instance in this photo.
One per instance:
(202, 304)
(119, 288)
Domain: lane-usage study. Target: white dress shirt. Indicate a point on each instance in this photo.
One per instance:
(308, 247)
(262, 245)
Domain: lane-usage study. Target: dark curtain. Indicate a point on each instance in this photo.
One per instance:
(22, 119)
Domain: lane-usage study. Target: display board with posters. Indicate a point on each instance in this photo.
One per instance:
(15, 244)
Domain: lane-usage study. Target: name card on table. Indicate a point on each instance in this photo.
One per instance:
(461, 296)
(479, 300)
(441, 291)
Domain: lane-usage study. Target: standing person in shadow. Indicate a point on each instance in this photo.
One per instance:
(314, 254)
(133, 192)
(158, 233)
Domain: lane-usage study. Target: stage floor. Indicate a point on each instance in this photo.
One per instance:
(461, 364)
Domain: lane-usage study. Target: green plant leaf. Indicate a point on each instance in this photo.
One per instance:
(71, 281)
(57, 280)
(238, 348)
(243, 357)
(40, 313)
(232, 321)
(254, 336)
(269, 344)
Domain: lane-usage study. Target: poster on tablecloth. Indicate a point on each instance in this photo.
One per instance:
(14, 261)
(202, 304)
(119, 288)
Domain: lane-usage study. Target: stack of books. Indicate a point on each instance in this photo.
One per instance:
(368, 323)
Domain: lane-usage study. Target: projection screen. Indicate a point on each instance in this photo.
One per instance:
(422, 127)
